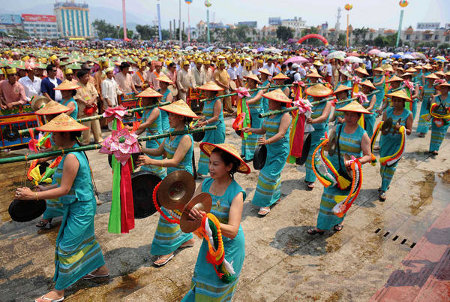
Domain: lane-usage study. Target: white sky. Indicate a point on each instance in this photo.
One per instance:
(365, 13)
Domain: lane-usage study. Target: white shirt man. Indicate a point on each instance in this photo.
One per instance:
(110, 90)
(32, 87)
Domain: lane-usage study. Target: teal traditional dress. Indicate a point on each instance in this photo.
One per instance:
(438, 133)
(168, 236)
(268, 188)
(265, 102)
(380, 94)
(349, 143)
(74, 113)
(154, 129)
(389, 144)
(369, 119)
(339, 104)
(77, 252)
(215, 136)
(165, 125)
(249, 145)
(206, 286)
(319, 132)
(424, 125)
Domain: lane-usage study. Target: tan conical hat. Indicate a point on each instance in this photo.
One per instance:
(406, 74)
(163, 78)
(400, 94)
(354, 106)
(432, 77)
(362, 70)
(411, 70)
(313, 74)
(265, 71)
(149, 93)
(427, 66)
(179, 107)
(67, 85)
(388, 67)
(368, 83)
(52, 107)
(378, 69)
(318, 90)
(394, 79)
(342, 88)
(39, 102)
(253, 77)
(440, 73)
(280, 76)
(208, 148)
(211, 86)
(62, 123)
(277, 95)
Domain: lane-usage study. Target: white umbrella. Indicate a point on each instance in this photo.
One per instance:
(353, 59)
(374, 52)
(383, 54)
(408, 56)
(336, 55)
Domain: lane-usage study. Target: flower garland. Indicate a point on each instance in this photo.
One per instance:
(342, 207)
(390, 159)
(210, 231)
(439, 118)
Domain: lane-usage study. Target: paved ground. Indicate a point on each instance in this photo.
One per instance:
(282, 262)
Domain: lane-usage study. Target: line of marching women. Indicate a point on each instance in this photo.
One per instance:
(348, 146)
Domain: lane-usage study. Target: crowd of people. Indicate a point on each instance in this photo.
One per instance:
(340, 99)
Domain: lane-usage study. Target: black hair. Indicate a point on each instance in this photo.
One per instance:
(283, 66)
(74, 92)
(81, 73)
(50, 67)
(290, 64)
(172, 65)
(74, 135)
(124, 65)
(153, 100)
(228, 159)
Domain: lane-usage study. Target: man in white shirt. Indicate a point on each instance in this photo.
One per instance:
(270, 66)
(184, 81)
(31, 84)
(110, 89)
(198, 73)
(297, 76)
(232, 70)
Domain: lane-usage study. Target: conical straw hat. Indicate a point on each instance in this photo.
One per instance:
(277, 95)
(52, 107)
(354, 106)
(362, 70)
(399, 94)
(149, 93)
(342, 88)
(164, 78)
(318, 90)
(179, 107)
(253, 77)
(265, 71)
(394, 79)
(67, 85)
(280, 76)
(313, 74)
(368, 83)
(432, 77)
(211, 86)
(208, 148)
(62, 123)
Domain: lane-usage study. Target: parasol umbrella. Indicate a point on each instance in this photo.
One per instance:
(336, 55)
(419, 55)
(374, 52)
(353, 59)
(397, 56)
(260, 49)
(383, 54)
(440, 59)
(298, 60)
(325, 52)
(353, 54)
(409, 57)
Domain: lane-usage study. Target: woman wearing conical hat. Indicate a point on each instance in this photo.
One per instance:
(379, 80)
(213, 115)
(167, 96)
(390, 143)
(276, 129)
(68, 91)
(255, 106)
(179, 152)
(77, 254)
(279, 80)
(394, 84)
(342, 94)
(151, 125)
(439, 126)
(428, 92)
(319, 120)
(352, 140)
(264, 75)
(369, 119)
(227, 204)
(414, 92)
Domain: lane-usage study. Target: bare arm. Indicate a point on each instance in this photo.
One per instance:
(380, 82)
(153, 116)
(179, 155)
(215, 118)
(372, 103)
(284, 126)
(365, 147)
(323, 117)
(409, 123)
(256, 98)
(154, 152)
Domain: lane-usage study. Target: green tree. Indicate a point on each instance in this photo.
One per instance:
(147, 32)
(130, 33)
(359, 34)
(104, 29)
(165, 34)
(241, 33)
(19, 34)
(379, 41)
(444, 46)
(284, 33)
(342, 40)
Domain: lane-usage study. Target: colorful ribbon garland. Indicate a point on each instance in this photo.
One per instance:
(390, 159)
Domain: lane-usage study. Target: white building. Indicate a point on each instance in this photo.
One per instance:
(40, 26)
(297, 24)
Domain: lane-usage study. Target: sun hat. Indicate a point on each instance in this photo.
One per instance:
(318, 90)
(67, 85)
(354, 106)
(62, 123)
(181, 108)
(210, 86)
(253, 77)
(164, 78)
(208, 148)
(342, 88)
(277, 95)
(149, 93)
(400, 94)
(280, 76)
(368, 83)
(52, 107)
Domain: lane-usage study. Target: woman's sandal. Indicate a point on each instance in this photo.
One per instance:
(314, 232)
(189, 243)
(162, 260)
(310, 186)
(434, 153)
(44, 225)
(263, 211)
(49, 299)
(91, 276)
(382, 196)
(338, 227)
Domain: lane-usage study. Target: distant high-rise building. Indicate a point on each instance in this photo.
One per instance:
(73, 19)
(40, 26)
(274, 21)
(338, 19)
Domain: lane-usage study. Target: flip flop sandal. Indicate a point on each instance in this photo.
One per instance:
(186, 245)
(44, 225)
(165, 261)
(263, 212)
(49, 299)
(338, 227)
(92, 276)
(314, 232)
(382, 196)
(310, 186)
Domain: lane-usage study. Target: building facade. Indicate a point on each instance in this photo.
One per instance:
(297, 24)
(40, 26)
(73, 19)
(10, 22)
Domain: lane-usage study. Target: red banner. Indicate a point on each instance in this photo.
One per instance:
(38, 18)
